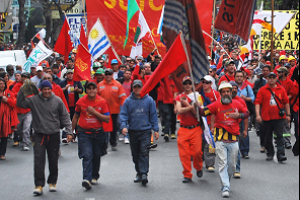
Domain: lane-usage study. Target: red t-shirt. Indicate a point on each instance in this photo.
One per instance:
(294, 93)
(160, 92)
(127, 88)
(213, 96)
(187, 119)
(287, 85)
(224, 78)
(169, 90)
(71, 94)
(88, 121)
(222, 112)
(269, 108)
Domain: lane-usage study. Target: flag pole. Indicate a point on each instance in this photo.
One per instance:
(79, 39)
(83, 4)
(113, 49)
(261, 9)
(191, 72)
(272, 36)
(213, 28)
(154, 43)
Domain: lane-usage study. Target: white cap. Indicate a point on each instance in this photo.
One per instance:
(225, 84)
(208, 57)
(39, 68)
(208, 78)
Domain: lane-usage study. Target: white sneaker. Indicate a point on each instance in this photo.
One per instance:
(126, 141)
(121, 137)
(26, 149)
(225, 194)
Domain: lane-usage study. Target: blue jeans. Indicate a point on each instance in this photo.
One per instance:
(228, 155)
(244, 145)
(140, 142)
(90, 149)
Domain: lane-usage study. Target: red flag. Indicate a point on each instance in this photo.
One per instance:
(63, 44)
(82, 66)
(173, 59)
(235, 17)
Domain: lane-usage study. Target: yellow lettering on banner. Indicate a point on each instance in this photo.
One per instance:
(122, 6)
(110, 3)
(153, 7)
(142, 5)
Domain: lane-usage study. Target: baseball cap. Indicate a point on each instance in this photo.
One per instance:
(109, 70)
(208, 58)
(70, 71)
(114, 61)
(283, 69)
(25, 74)
(213, 67)
(96, 65)
(272, 74)
(254, 59)
(39, 68)
(207, 78)
(140, 58)
(187, 78)
(90, 83)
(224, 85)
(287, 65)
(18, 72)
(100, 71)
(229, 62)
(233, 83)
(137, 83)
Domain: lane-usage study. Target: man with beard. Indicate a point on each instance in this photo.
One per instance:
(288, 86)
(228, 113)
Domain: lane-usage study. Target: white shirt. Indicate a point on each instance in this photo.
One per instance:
(36, 81)
(116, 75)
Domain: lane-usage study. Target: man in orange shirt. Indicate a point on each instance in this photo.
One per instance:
(113, 92)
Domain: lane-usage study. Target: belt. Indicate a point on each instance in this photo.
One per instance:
(190, 127)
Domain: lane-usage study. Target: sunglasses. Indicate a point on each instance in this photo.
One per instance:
(187, 83)
(47, 78)
(206, 82)
(101, 63)
(280, 72)
(108, 74)
(210, 71)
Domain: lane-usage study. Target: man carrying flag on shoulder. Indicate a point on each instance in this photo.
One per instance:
(190, 133)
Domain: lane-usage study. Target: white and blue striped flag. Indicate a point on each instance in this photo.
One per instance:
(98, 40)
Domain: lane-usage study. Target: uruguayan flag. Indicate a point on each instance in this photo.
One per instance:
(98, 41)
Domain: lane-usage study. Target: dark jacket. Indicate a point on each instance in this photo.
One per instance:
(64, 83)
(259, 83)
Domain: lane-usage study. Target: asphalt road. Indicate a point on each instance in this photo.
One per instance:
(261, 180)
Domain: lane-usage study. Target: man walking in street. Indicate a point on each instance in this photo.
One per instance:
(113, 92)
(90, 113)
(190, 133)
(273, 109)
(228, 113)
(49, 114)
(138, 117)
(229, 76)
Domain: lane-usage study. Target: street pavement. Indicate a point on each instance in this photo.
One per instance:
(261, 180)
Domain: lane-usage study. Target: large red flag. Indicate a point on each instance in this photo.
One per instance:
(235, 17)
(82, 67)
(64, 44)
(173, 59)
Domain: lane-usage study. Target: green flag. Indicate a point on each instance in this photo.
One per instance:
(132, 9)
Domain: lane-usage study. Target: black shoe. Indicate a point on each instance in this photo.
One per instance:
(144, 180)
(153, 146)
(187, 180)
(200, 173)
(166, 137)
(288, 146)
(269, 158)
(282, 158)
(137, 179)
(246, 156)
(86, 184)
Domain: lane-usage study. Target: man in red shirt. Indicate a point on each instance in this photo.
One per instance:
(229, 76)
(228, 114)
(170, 118)
(90, 113)
(269, 104)
(190, 132)
(288, 86)
(209, 96)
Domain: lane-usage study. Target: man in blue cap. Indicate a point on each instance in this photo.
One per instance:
(115, 67)
(213, 73)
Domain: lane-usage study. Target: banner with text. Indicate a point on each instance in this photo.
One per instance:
(287, 40)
